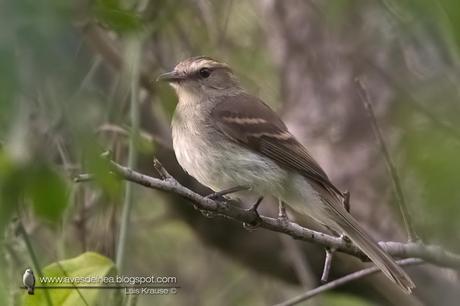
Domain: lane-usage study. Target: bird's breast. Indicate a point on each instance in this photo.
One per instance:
(219, 163)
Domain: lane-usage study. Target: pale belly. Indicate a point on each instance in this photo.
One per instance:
(220, 167)
(225, 166)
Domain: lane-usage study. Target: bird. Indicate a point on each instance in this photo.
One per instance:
(28, 279)
(227, 138)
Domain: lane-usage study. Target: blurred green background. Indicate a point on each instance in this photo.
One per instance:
(76, 80)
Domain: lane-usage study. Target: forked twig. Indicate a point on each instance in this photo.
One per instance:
(327, 264)
(343, 280)
(428, 253)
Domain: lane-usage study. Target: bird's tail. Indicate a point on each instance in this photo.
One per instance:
(379, 257)
(30, 290)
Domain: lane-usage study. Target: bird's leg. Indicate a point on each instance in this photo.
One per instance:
(253, 209)
(219, 195)
(327, 264)
(346, 200)
(282, 210)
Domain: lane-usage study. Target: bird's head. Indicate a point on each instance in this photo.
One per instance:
(202, 77)
(28, 271)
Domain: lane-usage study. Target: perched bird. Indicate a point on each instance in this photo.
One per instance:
(226, 138)
(28, 279)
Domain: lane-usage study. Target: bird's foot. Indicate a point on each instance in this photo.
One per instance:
(219, 195)
(282, 215)
(253, 209)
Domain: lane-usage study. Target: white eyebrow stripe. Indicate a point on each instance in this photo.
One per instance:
(246, 120)
(195, 65)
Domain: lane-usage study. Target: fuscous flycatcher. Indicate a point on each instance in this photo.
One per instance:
(225, 137)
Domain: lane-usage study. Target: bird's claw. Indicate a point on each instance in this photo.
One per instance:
(282, 215)
(253, 210)
(215, 196)
(220, 195)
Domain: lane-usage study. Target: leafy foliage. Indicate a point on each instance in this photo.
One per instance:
(86, 265)
(116, 17)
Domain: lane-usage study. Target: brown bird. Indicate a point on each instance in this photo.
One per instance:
(227, 138)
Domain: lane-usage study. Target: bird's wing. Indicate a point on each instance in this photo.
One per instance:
(249, 121)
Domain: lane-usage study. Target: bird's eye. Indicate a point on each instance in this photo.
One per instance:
(205, 72)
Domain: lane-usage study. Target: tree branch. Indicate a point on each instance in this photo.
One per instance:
(429, 253)
(343, 280)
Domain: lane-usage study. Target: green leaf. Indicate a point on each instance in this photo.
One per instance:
(9, 193)
(35, 180)
(8, 86)
(86, 265)
(118, 18)
(101, 169)
(47, 191)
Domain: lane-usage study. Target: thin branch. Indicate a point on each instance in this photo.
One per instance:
(447, 128)
(73, 284)
(327, 264)
(429, 253)
(388, 161)
(84, 177)
(164, 174)
(33, 256)
(116, 129)
(132, 155)
(343, 280)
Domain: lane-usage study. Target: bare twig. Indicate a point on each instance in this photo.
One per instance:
(33, 257)
(161, 170)
(133, 73)
(327, 264)
(84, 177)
(221, 193)
(447, 128)
(116, 129)
(80, 219)
(343, 280)
(73, 284)
(429, 253)
(388, 161)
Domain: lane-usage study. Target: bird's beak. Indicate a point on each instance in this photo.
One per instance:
(170, 77)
